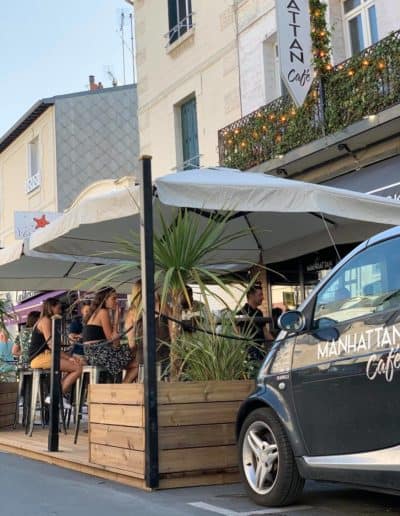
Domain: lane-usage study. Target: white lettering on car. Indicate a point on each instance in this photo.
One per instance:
(379, 338)
(384, 366)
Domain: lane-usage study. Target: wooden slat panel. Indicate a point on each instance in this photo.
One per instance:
(7, 409)
(119, 394)
(8, 387)
(8, 397)
(129, 460)
(193, 479)
(121, 436)
(7, 420)
(198, 459)
(194, 392)
(198, 413)
(120, 415)
(196, 436)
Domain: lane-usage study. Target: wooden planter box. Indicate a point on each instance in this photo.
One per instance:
(196, 430)
(8, 400)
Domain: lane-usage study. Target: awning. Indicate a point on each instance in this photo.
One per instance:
(33, 303)
(284, 218)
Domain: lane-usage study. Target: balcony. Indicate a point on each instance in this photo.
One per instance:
(360, 87)
(32, 183)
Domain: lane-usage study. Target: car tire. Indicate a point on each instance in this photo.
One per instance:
(266, 461)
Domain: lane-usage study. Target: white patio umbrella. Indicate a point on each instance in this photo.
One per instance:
(284, 218)
(22, 269)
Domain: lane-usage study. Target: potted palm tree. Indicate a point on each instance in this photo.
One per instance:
(196, 416)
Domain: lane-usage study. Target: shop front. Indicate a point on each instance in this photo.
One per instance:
(303, 273)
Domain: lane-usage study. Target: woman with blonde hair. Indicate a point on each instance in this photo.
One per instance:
(40, 348)
(134, 323)
(100, 335)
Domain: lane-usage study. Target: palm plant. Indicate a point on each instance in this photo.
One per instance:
(218, 351)
(184, 253)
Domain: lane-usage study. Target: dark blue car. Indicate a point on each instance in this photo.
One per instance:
(327, 404)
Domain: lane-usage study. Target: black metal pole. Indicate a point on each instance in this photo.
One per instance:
(149, 328)
(55, 383)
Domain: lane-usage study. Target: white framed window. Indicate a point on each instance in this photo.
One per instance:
(274, 86)
(180, 19)
(361, 26)
(33, 179)
(279, 84)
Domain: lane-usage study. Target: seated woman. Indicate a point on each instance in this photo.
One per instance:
(134, 323)
(100, 335)
(22, 341)
(40, 348)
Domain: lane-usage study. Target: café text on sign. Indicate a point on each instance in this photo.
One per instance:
(295, 47)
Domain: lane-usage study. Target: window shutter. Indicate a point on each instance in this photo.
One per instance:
(190, 142)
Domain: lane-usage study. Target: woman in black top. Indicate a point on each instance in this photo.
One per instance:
(100, 335)
(40, 347)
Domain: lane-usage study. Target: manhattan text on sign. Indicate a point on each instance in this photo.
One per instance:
(295, 47)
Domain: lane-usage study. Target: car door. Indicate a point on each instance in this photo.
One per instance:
(346, 368)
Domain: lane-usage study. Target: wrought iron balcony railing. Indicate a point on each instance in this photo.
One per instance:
(361, 86)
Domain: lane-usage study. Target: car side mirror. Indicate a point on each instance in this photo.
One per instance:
(292, 321)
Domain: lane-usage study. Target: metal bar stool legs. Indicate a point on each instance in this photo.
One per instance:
(90, 375)
(37, 394)
(34, 398)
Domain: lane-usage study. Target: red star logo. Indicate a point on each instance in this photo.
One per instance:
(41, 222)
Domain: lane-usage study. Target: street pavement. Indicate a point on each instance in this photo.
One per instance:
(37, 489)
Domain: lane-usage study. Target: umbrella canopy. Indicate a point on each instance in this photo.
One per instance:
(287, 218)
(22, 269)
(282, 218)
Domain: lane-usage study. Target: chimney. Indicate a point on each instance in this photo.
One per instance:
(92, 84)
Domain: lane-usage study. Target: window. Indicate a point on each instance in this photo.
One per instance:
(361, 24)
(279, 84)
(367, 283)
(190, 142)
(180, 18)
(33, 157)
(33, 179)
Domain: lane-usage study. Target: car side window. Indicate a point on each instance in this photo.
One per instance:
(369, 282)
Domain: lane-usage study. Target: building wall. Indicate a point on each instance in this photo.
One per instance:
(202, 63)
(388, 13)
(257, 36)
(14, 166)
(97, 138)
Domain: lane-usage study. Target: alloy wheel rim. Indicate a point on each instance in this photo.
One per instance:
(260, 457)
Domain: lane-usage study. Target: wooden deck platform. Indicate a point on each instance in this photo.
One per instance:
(70, 456)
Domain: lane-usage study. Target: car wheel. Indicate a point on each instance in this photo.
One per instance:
(266, 460)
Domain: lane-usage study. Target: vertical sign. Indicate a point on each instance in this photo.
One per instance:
(295, 47)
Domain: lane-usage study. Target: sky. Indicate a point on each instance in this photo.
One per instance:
(50, 47)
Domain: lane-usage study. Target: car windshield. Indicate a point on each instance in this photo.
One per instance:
(367, 283)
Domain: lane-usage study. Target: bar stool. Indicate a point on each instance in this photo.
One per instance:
(140, 377)
(90, 375)
(24, 389)
(37, 394)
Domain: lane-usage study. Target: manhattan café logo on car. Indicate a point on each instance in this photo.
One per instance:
(358, 343)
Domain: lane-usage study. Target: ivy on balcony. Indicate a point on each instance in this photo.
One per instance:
(363, 85)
